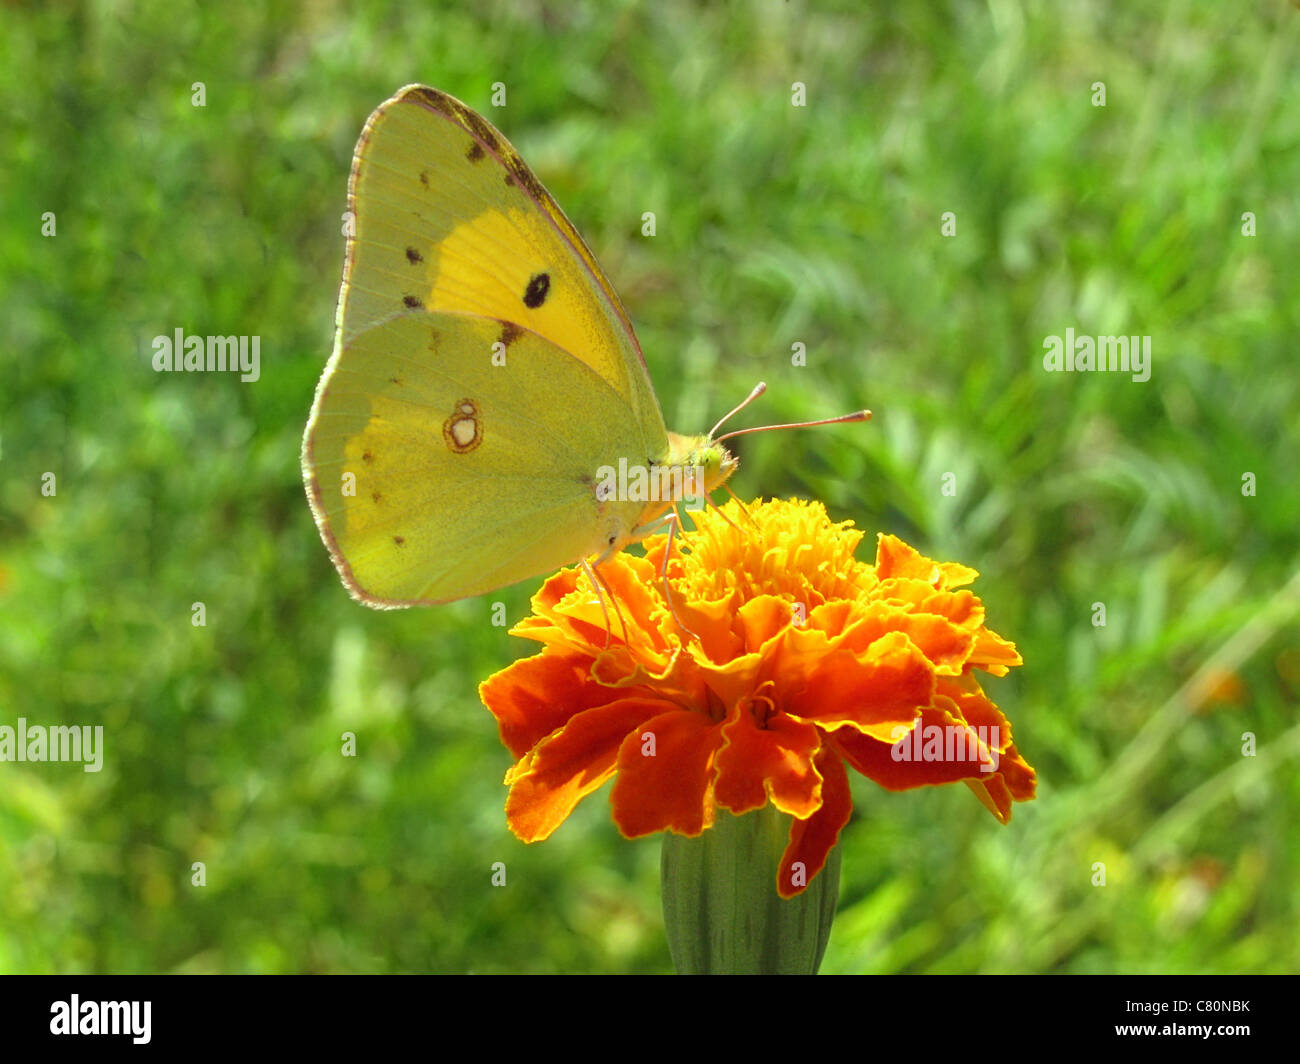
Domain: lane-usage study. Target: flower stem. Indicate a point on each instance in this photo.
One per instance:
(722, 912)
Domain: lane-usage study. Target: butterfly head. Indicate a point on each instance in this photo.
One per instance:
(710, 461)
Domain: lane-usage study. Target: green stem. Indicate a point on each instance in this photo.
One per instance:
(722, 912)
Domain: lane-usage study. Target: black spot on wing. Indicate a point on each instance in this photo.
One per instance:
(475, 152)
(413, 256)
(413, 302)
(538, 288)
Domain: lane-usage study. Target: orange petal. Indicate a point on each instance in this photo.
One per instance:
(638, 594)
(563, 769)
(994, 795)
(963, 608)
(941, 641)
(554, 591)
(1014, 781)
(774, 761)
(761, 619)
(876, 692)
(1016, 772)
(812, 839)
(920, 758)
(711, 620)
(793, 658)
(957, 575)
(670, 789)
(536, 695)
(972, 705)
(894, 558)
(993, 654)
(620, 607)
(834, 616)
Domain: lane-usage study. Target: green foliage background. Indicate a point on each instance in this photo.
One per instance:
(776, 224)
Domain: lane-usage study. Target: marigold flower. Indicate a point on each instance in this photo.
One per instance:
(807, 660)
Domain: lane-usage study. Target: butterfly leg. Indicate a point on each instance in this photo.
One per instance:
(739, 503)
(722, 513)
(591, 577)
(598, 583)
(672, 522)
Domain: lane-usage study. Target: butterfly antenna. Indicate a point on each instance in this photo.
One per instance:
(857, 415)
(759, 389)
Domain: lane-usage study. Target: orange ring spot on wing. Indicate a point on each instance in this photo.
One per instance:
(463, 431)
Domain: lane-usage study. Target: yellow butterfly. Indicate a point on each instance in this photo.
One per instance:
(485, 378)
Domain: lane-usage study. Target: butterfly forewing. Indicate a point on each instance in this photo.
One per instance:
(449, 218)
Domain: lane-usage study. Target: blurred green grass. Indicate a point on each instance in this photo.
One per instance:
(776, 225)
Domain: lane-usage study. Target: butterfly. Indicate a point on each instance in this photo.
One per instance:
(485, 378)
